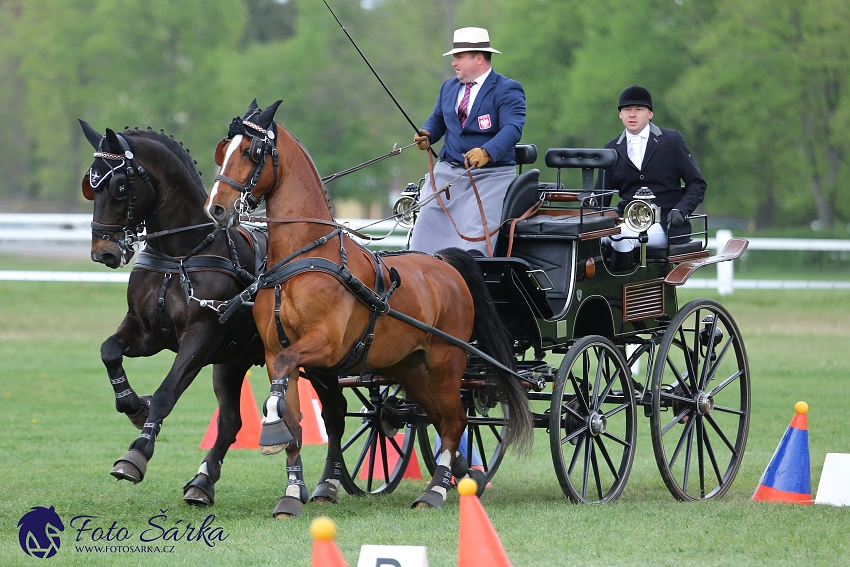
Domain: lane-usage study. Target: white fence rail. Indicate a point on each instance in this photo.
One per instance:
(57, 230)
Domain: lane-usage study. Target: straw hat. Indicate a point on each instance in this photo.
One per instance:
(471, 39)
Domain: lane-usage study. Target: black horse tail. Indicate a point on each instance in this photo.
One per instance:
(493, 339)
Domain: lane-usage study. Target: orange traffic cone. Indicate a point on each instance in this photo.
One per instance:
(249, 436)
(478, 542)
(325, 551)
(787, 478)
(312, 425)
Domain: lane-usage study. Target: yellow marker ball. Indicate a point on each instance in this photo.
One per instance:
(467, 487)
(323, 528)
(801, 407)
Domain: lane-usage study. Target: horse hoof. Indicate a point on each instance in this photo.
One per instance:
(141, 416)
(194, 496)
(131, 466)
(272, 449)
(422, 506)
(288, 507)
(275, 434)
(429, 499)
(326, 492)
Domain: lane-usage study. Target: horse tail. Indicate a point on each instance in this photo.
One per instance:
(493, 339)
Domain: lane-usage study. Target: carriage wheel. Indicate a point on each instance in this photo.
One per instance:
(593, 422)
(483, 440)
(700, 402)
(376, 454)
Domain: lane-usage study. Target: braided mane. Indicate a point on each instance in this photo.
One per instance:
(174, 146)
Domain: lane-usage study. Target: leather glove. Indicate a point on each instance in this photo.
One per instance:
(676, 218)
(422, 139)
(477, 157)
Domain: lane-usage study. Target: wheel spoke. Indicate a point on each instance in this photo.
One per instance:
(709, 450)
(700, 456)
(588, 451)
(576, 454)
(685, 430)
(720, 433)
(681, 378)
(726, 382)
(573, 435)
(718, 361)
(616, 410)
(600, 369)
(355, 436)
(675, 420)
(616, 439)
(704, 379)
(366, 401)
(608, 460)
(579, 394)
(688, 453)
(384, 457)
(596, 476)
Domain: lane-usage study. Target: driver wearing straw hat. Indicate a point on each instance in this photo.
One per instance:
(479, 115)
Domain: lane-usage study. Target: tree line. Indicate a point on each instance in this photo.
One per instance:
(759, 89)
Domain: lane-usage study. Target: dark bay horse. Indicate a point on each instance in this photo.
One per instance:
(141, 178)
(316, 307)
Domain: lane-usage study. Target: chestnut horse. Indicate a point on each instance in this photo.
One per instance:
(141, 178)
(316, 308)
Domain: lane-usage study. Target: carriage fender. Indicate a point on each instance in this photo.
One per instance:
(594, 317)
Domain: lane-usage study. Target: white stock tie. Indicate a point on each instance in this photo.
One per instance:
(634, 151)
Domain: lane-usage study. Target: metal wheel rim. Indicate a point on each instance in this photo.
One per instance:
(703, 431)
(589, 471)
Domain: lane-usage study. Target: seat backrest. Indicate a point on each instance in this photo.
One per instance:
(521, 194)
(526, 154)
(587, 159)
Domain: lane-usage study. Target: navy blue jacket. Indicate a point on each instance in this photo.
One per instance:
(495, 120)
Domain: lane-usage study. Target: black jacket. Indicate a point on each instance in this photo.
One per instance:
(667, 163)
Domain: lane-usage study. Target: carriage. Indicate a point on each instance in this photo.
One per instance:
(597, 342)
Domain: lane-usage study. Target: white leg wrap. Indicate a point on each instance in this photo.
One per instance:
(271, 409)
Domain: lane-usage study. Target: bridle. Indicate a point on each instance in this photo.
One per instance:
(131, 232)
(260, 148)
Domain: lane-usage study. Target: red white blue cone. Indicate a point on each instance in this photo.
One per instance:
(788, 477)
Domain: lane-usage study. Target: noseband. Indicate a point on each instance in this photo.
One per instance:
(128, 234)
(260, 148)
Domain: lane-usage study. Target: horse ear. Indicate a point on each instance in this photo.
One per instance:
(112, 143)
(264, 120)
(91, 135)
(253, 106)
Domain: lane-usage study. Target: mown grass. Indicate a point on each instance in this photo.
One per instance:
(59, 435)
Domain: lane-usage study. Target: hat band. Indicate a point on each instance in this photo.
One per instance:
(470, 45)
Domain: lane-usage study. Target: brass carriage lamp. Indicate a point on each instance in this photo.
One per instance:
(640, 214)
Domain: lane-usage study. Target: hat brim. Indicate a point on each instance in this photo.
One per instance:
(633, 103)
(462, 49)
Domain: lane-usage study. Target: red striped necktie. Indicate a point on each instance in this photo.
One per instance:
(462, 111)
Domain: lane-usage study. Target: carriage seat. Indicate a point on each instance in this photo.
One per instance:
(662, 252)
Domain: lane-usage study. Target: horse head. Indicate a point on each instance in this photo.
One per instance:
(132, 174)
(251, 140)
(114, 182)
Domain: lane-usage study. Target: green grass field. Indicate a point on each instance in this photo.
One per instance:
(59, 435)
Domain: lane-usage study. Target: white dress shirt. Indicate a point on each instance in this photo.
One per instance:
(473, 91)
(637, 145)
